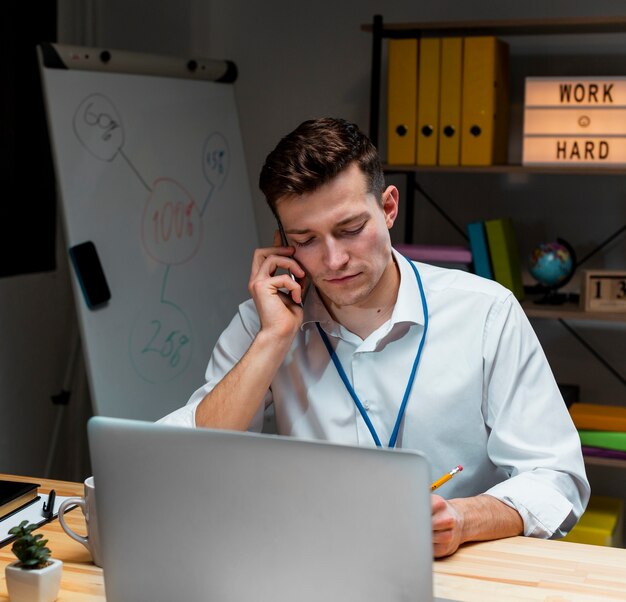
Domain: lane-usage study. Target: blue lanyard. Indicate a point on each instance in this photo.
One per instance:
(409, 386)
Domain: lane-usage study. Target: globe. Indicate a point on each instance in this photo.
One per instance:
(551, 264)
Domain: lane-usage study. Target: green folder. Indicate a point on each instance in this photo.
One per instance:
(504, 255)
(606, 439)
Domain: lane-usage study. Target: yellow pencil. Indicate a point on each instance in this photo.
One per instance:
(445, 478)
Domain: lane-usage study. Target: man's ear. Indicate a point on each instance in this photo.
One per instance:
(391, 199)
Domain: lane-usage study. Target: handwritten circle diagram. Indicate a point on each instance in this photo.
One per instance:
(216, 159)
(160, 342)
(171, 227)
(98, 126)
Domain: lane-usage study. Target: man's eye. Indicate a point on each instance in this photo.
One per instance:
(302, 243)
(354, 231)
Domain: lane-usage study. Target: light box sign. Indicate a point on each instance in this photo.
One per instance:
(575, 121)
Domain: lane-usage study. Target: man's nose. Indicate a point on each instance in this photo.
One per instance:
(335, 254)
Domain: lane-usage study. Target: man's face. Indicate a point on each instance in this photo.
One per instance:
(341, 236)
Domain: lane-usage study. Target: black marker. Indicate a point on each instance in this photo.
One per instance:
(48, 509)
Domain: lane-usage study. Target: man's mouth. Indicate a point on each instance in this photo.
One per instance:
(342, 279)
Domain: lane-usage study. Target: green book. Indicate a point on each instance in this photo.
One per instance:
(507, 269)
(606, 439)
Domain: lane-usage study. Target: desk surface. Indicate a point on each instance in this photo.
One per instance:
(517, 568)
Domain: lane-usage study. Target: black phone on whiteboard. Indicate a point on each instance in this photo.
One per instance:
(90, 274)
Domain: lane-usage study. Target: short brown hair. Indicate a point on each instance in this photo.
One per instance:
(313, 154)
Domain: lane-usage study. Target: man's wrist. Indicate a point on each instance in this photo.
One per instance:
(485, 517)
(274, 339)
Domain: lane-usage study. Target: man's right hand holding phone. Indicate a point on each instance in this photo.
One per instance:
(278, 297)
(235, 400)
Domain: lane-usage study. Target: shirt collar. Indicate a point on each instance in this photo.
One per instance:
(315, 311)
(408, 306)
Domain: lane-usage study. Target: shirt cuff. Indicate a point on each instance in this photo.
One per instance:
(543, 509)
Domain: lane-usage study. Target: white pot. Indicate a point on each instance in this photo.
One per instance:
(34, 585)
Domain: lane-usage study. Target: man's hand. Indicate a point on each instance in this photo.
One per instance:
(235, 400)
(280, 313)
(447, 527)
(477, 518)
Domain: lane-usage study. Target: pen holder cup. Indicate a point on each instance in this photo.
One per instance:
(88, 506)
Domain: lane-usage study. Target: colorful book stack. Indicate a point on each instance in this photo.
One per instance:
(448, 101)
(444, 255)
(495, 254)
(602, 429)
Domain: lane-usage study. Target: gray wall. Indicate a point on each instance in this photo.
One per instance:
(296, 61)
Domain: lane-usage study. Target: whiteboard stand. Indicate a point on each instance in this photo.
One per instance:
(151, 170)
(61, 400)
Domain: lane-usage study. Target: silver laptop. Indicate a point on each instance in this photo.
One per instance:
(203, 515)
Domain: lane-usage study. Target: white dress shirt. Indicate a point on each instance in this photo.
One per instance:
(483, 396)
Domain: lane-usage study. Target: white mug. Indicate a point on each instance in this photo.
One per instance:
(88, 506)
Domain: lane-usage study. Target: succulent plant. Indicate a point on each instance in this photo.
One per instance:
(29, 549)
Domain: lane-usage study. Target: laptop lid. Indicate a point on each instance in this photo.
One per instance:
(199, 514)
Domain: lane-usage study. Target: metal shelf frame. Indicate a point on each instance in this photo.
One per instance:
(506, 28)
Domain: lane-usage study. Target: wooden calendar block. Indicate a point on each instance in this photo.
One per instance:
(603, 290)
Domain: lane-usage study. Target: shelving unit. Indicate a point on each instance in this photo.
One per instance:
(569, 311)
(506, 169)
(506, 29)
(503, 28)
(610, 462)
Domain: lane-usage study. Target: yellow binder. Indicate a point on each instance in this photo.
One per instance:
(485, 114)
(401, 101)
(450, 101)
(428, 101)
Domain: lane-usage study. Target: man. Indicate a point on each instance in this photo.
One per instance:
(384, 351)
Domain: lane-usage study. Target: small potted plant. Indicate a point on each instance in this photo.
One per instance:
(34, 577)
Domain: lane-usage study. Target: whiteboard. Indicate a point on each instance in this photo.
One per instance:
(151, 170)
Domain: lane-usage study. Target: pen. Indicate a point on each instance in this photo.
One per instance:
(48, 509)
(445, 478)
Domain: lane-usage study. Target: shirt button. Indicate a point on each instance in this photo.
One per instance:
(366, 405)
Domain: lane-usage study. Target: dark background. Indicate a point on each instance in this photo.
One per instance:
(27, 205)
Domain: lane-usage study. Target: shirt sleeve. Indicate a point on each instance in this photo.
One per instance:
(233, 343)
(531, 433)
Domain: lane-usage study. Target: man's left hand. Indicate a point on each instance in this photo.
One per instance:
(447, 527)
(478, 518)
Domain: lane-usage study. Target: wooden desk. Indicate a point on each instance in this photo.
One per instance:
(82, 580)
(524, 568)
(517, 568)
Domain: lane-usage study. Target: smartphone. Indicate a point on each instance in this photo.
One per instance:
(90, 274)
(283, 240)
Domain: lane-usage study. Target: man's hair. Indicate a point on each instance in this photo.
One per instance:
(313, 154)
